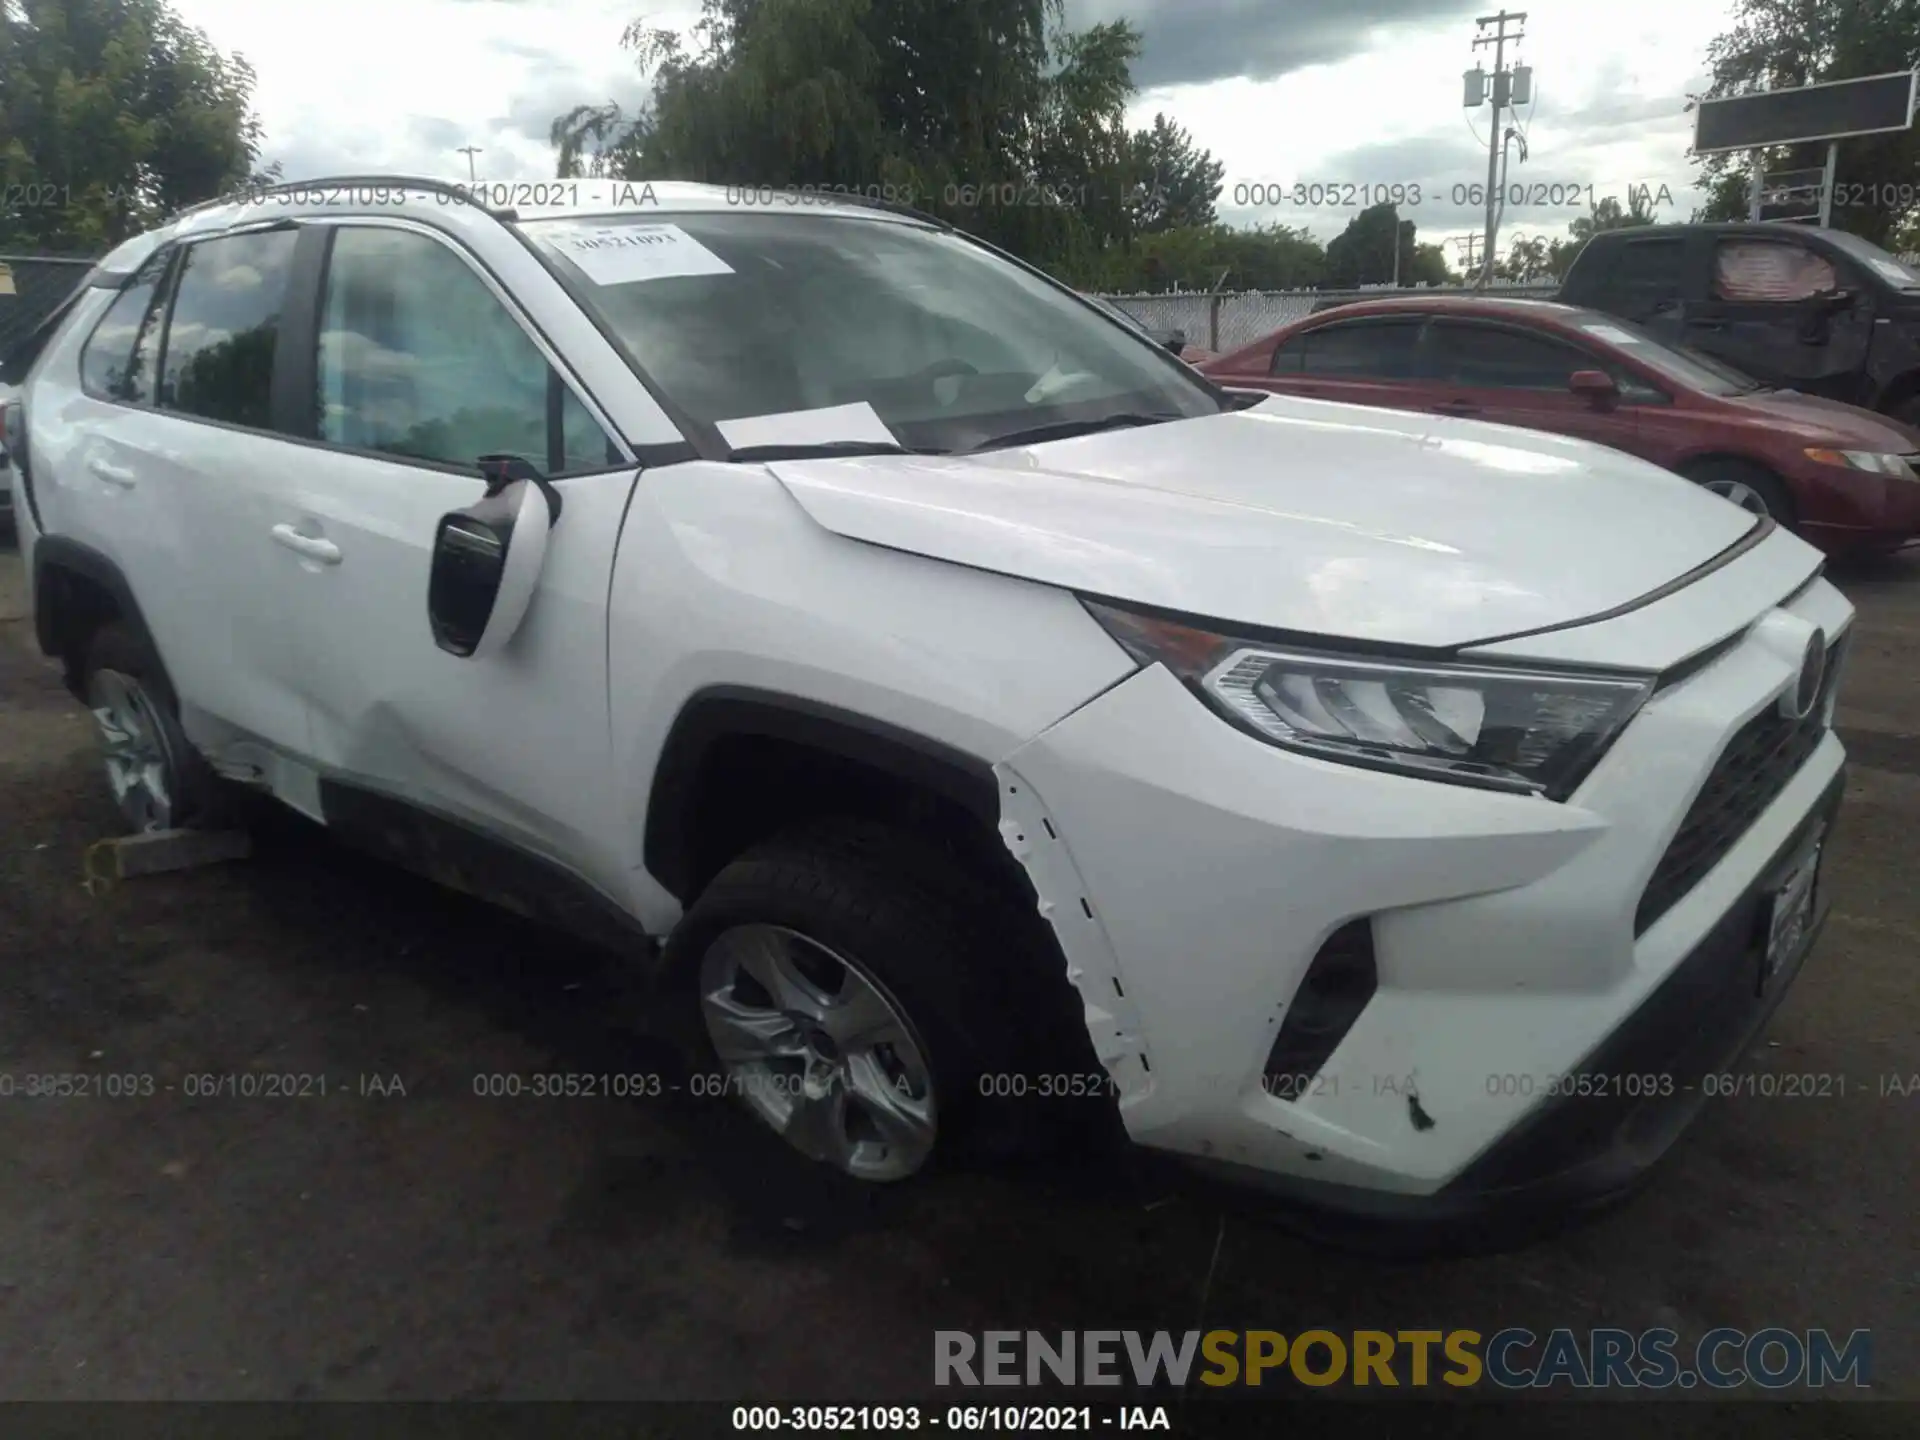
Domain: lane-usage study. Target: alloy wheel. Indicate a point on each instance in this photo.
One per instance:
(139, 765)
(819, 1050)
(1743, 495)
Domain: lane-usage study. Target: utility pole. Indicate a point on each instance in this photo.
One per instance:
(1510, 90)
(1470, 244)
(469, 151)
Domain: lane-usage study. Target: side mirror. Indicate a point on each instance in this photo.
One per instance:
(1174, 340)
(487, 559)
(1596, 387)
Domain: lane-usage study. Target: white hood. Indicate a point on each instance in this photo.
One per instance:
(1300, 515)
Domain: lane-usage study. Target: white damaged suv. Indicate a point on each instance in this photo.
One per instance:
(1399, 811)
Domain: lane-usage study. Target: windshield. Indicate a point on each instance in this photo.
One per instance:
(848, 330)
(1896, 273)
(1686, 367)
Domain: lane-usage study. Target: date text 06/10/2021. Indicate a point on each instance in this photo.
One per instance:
(1576, 196)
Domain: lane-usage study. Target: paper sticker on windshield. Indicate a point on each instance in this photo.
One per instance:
(1611, 335)
(624, 254)
(1899, 274)
(856, 422)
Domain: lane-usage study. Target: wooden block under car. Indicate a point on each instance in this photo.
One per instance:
(159, 850)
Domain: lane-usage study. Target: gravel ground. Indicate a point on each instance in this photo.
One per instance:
(401, 1237)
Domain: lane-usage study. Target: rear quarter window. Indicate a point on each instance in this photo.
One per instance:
(116, 363)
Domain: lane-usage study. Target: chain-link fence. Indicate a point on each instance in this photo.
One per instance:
(1231, 319)
(31, 286)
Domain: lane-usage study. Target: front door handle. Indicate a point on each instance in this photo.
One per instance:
(311, 546)
(113, 474)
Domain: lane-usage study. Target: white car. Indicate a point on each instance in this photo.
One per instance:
(1401, 812)
(6, 467)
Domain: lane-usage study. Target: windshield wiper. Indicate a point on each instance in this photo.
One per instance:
(1067, 429)
(824, 450)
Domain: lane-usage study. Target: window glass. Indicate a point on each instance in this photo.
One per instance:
(1644, 265)
(117, 360)
(945, 344)
(418, 358)
(1769, 271)
(583, 444)
(224, 325)
(1501, 359)
(1359, 350)
(1684, 367)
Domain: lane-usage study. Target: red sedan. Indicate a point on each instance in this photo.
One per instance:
(1843, 477)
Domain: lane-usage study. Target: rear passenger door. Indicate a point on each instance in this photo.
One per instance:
(177, 465)
(409, 364)
(1369, 360)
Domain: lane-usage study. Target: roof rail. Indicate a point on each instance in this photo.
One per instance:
(462, 193)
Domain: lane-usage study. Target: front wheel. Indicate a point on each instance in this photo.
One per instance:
(857, 994)
(1747, 485)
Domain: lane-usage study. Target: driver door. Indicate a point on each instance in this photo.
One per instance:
(418, 366)
(1786, 313)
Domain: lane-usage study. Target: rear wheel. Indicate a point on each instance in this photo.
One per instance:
(156, 778)
(1752, 487)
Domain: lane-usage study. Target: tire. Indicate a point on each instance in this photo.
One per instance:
(1750, 486)
(157, 780)
(841, 902)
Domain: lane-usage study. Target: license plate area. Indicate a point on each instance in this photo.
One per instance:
(1791, 907)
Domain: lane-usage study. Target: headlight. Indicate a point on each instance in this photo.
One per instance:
(1530, 731)
(1872, 461)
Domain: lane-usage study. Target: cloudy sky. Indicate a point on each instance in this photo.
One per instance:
(1283, 91)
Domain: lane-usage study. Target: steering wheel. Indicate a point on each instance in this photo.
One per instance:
(928, 376)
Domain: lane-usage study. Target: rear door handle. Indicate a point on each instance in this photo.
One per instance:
(311, 546)
(113, 474)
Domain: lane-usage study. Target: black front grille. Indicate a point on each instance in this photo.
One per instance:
(1762, 757)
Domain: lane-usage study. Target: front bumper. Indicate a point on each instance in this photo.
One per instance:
(1845, 511)
(1192, 873)
(1622, 1107)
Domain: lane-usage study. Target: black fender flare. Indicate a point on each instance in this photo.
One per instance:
(57, 557)
(724, 712)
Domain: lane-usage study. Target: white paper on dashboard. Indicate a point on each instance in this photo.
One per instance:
(858, 421)
(624, 254)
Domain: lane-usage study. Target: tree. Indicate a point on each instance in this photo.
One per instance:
(1429, 266)
(1606, 214)
(989, 113)
(1174, 184)
(113, 113)
(1363, 253)
(1780, 43)
(1527, 260)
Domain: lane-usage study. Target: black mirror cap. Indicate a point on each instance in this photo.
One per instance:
(469, 558)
